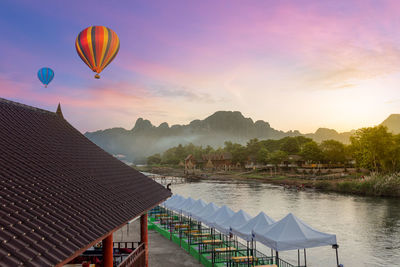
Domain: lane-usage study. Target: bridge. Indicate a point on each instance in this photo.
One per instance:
(164, 180)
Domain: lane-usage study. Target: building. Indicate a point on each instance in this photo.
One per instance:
(190, 164)
(218, 161)
(61, 194)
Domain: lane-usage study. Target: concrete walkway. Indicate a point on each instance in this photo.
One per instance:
(162, 252)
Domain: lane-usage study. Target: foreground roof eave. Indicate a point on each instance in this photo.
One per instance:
(60, 184)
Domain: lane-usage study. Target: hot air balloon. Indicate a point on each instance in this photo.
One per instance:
(45, 75)
(97, 46)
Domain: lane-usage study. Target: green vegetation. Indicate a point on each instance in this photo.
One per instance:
(175, 155)
(376, 149)
(373, 185)
(373, 148)
(263, 152)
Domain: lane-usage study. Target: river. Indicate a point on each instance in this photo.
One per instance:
(367, 228)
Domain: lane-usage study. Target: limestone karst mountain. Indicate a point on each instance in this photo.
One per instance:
(392, 123)
(145, 139)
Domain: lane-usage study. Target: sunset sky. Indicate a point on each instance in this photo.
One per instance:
(296, 64)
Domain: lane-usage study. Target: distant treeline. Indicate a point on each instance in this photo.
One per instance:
(373, 148)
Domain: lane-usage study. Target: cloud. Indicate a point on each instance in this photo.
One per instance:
(347, 66)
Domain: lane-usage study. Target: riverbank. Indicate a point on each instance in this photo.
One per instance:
(372, 185)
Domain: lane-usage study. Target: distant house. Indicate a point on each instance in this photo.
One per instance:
(294, 161)
(218, 161)
(251, 163)
(190, 163)
(62, 194)
(209, 165)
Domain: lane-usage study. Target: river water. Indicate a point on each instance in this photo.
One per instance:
(367, 228)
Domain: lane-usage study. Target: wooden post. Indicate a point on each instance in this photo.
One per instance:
(144, 237)
(277, 258)
(108, 251)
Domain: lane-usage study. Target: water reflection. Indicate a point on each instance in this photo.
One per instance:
(367, 228)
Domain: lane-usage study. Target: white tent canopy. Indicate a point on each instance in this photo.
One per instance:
(238, 219)
(195, 209)
(187, 203)
(257, 224)
(291, 233)
(219, 216)
(208, 210)
(169, 200)
(176, 201)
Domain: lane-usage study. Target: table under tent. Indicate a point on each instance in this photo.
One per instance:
(213, 234)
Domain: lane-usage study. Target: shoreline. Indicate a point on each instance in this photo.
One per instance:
(346, 185)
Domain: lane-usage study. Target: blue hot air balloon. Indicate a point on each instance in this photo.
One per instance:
(45, 75)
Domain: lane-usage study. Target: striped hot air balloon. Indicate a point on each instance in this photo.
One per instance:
(97, 46)
(45, 75)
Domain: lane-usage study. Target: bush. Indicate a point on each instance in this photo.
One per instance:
(375, 185)
(324, 185)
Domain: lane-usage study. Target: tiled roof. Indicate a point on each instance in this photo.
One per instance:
(59, 192)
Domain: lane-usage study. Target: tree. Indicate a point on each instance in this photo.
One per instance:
(180, 152)
(290, 145)
(301, 140)
(394, 151)
(271, 145)
(372, 147)
(155, 159)
(238, 152)
(170, 157)
(277, 157)
(263, 155)
(333, 151)
(253, 146)
(311, 152)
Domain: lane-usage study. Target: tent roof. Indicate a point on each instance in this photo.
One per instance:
(218, 216)
(186, 205)
(291, 233)
(176, 201)
(196, 208)
(173, 198)
(238, 219)
(256, 224)
(208, 210)
(178, 205)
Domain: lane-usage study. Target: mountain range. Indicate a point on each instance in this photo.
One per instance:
(145, 139)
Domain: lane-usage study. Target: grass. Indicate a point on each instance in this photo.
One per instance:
(374, 185)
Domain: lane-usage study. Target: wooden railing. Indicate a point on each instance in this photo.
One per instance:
(136, 259)
(129, 244)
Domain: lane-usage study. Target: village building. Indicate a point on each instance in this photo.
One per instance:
(218, 161)
(294, 161)
(190, 164)
(61, 194)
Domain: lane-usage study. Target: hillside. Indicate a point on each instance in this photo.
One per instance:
(392, 123)
(145, 139)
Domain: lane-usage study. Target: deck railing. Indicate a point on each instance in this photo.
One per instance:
(136, 259)
(282, 263)
(130, 244)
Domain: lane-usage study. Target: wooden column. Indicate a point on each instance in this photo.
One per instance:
(108, 251)
(144, 236)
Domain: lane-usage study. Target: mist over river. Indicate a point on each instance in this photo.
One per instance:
(367, 228)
